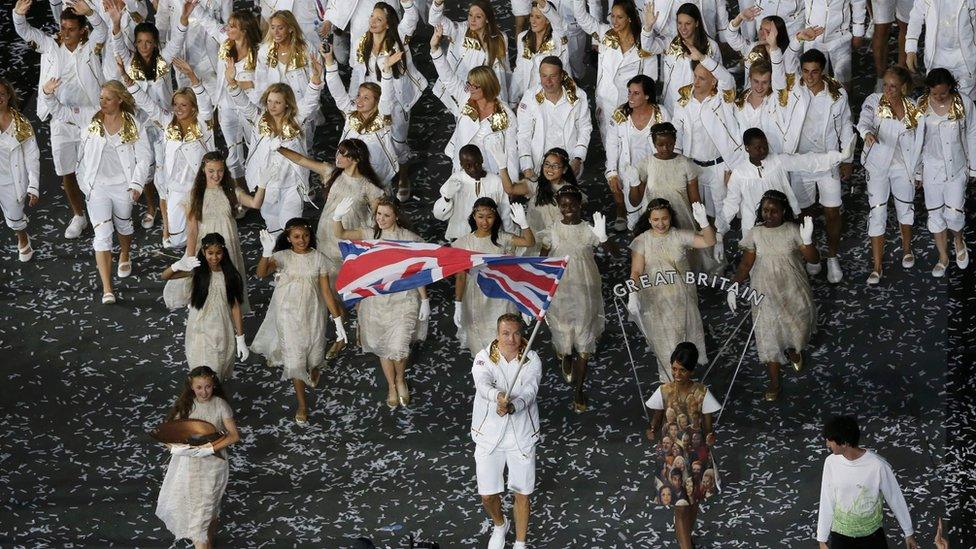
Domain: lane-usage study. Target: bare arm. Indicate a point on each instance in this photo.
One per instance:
(326, 289)
(460, 280)
(232, 435)
(745, 266)
(266, 267)
(304, 161)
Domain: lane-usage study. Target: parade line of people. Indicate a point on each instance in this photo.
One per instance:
(202, 111)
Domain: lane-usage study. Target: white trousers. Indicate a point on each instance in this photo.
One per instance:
(230, 126)
(894, 184)
(711, 184)
(177, 204)
(287, 205)
(12, 207)
(109, 207)
(945, 202)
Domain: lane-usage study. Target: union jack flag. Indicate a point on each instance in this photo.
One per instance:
(376, 267)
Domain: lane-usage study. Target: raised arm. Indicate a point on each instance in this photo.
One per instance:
(80, 117)
(336, 88)
(587, 22)
(556, 21)
(450, 80)
(436, 17)
(408, 23)
(309, 102)
(28, 33)
(321, 168)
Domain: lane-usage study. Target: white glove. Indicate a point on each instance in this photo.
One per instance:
(457, 314)
(527, 319)
(204, 451)
(242, 350)
(186, 264)
(343, 208)
(806, 230)
(182, 450)
(719, 248)
(599, 227)
(442, 209)
(267, 243)
(730, 299)
(496, 148)
(633, 305)
(424, 310)
(698, 212)
(340, 331)
(518, 216)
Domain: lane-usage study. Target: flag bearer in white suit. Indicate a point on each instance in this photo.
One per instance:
(113, 162)
(73, 58)
(950, 39)
(505, 426)
(826, 127)
(708, 133)
(948, 122)
(843, 22)
(892, 147)
(554, 114)
(19, 168)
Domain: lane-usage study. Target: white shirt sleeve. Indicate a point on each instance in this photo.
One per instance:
(825, 516)
(656, 402)
(710, 405)
(896, 500)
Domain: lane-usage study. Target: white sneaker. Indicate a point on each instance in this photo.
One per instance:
(76, 226)
(834, 274)
(964, 261)
(813, 269)
(498, 533)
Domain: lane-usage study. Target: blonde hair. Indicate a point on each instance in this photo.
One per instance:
(128, 103)
(485, 78)
(190, 96)
(291, 104)
(13, 100)
(295, 31)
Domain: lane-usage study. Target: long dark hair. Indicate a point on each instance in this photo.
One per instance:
(494, 42)
(201, 274)
(200, 186)
(391, 41)
(355, 149)
(644, 223)
(544, 192)
(486, 202)
(939, 76)
(295, 222)
(530, 41)
(401, 220)
(782, 33)
(635, 19)
(701, 36)
(147, 67)
(184, 403)
(780, 199)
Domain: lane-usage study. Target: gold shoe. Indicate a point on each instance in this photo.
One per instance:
(314, 376)
(566, 368)
(798, 363)
(334, 350)
(581, 405)
(392, 400)
(403, 394)
(771, 396)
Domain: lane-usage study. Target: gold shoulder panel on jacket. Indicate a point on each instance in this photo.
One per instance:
(684, 94)
(619, 116)
(22, 128)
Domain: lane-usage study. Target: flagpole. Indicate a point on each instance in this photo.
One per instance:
(528, 347)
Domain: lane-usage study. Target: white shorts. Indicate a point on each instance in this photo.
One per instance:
(897, 185)
(109, 207)
(177, 204)
(946, 202)
(65, 139)
(12, 208)
(490, 468)
(886, 11)
(521, 7)
(806, 187)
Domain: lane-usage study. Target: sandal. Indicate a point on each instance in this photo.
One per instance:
(875, 277)
(771, 395)
(25, 254)
(125, 269)
(908, 260)
(108, 298)
(962, 257)
(798, 363)
(148, 219)
(939, 270)
(334, 350)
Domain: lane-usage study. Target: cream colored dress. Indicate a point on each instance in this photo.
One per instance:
(575, 316)
(786, 317)
(479, 313)
(668, 179)
(210, 331)
(388, 323)
(193, 486)
(360, 215)
(218, 218)
(540, 218)
(669, 311)
(293, 333)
